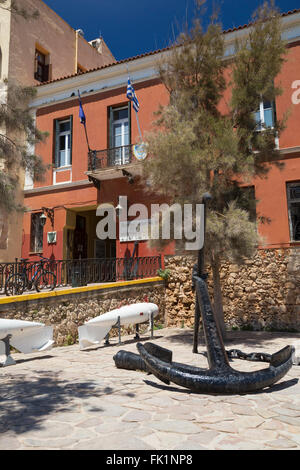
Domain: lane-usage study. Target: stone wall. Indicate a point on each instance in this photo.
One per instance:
(264, 293)
(68, 312)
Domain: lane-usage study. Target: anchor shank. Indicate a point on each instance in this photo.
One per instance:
(200, 272)
(216, 353)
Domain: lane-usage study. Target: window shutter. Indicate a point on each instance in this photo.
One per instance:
(110, 131)
(56, 143)
(71, 137)
(129, 122)
(36, 68)
(50, 72)
(274, 113)
(35, 64)
(45, 73)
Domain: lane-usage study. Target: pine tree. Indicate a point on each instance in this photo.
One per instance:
(18, 133)
(204, 143)
(14, 7)
(17, 137)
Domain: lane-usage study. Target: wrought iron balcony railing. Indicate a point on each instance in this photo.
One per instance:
(111, 157)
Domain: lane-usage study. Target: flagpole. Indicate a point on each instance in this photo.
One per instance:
(84, 124)
(136, 114)
(87, 139)
(138, 123)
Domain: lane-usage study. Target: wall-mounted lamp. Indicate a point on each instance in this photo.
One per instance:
(43, 219)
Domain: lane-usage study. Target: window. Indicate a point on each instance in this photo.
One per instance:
(41, 66)
(63, 142)
(36, 233)
(120, 135)
(293, 197)
(265, 115)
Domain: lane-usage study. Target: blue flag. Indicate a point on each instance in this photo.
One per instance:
(132, 96)
(81, 112)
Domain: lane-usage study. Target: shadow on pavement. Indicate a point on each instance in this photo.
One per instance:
(275, 388)
(25, 402)
(253, 339)
(114, 342)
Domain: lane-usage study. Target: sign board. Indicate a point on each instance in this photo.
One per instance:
(134, 230)
(51, 237)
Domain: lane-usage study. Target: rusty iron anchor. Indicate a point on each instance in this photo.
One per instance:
(220, 377)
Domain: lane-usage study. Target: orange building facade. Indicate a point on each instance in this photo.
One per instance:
(78, 181)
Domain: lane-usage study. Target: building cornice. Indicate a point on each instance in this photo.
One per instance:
(57, 187)
(101, 80)
(289, 150)
(141, 68)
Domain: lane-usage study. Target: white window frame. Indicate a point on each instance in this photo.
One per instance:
(68, 164)
(61, 169)
(36, 233)
(123, 156)
(261, 122)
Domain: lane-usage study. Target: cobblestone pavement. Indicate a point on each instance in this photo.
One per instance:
(71, 399)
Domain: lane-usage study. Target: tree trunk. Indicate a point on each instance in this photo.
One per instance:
(218, 299)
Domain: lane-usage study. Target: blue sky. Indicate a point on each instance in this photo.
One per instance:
(133, 27)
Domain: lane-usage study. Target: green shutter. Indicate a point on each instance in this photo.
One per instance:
(56, 143)
(71, 137)
(129, 121)
(110, 122)
(274, 113)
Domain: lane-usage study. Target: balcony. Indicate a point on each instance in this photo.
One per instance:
(110, 163)
(117, 156)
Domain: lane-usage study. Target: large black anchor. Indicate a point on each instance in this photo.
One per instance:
(220, 377)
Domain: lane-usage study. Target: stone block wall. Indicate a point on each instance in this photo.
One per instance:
(67, 313)
(264, 293)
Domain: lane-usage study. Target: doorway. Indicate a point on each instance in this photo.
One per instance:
(80, 238)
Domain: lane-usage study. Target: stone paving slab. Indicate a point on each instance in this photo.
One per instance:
(70, 399)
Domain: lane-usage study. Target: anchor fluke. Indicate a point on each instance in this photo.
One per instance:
(216, 380)
(130, 361)
(282, 356)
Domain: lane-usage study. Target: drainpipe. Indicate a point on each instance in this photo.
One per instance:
(77, 33)
(76, 50)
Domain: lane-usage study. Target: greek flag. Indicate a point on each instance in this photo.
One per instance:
(81, 112)
(132, 96)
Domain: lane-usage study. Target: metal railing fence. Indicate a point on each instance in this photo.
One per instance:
(110, 157)
(84, 271)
